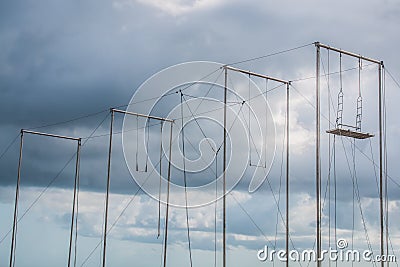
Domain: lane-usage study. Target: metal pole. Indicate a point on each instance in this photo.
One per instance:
(74, 201)
(317, 157)
(167, 209)
(14, 233)
(224, 173)
(348, 53)
(141, 115)
(381, 161)
(51, 135)
(256, 74)
(108, 187)
(287, 174)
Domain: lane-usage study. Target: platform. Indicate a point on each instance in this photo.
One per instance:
(350, 133)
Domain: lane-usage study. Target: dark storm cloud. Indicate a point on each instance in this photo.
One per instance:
(63, 59)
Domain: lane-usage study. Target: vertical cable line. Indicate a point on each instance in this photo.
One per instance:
(160, 183)
(249, 117)
(279, 188)
(185, 181)
(354, 180)
(266, 123)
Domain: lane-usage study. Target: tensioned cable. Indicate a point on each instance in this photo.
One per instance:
(195, 119)
(355, 182)
(280, 185)
(10, 145)
(391, 76)
(185, 182)
(68, 121)
(270, 55)
(331, 73)
(251, 218)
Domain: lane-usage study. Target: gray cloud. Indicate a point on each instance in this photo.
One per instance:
(60, 60)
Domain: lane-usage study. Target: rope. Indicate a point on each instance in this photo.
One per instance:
(185, 183)
(10, 145)
(269, 55)
(137, 142)
(147, 145)
(280, 185)
(195, 119)
(249, 128)
(339, 117)
(159, 188)
(266, 122)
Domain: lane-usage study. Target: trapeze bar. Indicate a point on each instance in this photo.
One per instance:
(141, 115)
(51, 135)
(256, 74)
(349, 133)
(349, 53)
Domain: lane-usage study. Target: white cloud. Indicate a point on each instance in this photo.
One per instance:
(180, 7)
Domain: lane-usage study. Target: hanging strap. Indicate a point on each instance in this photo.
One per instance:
(137, 142)
(339, 116)
(147, 144)
(249, 128)
(266, 122)
(359, 98)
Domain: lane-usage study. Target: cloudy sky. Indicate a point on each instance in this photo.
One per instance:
(63, 64)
